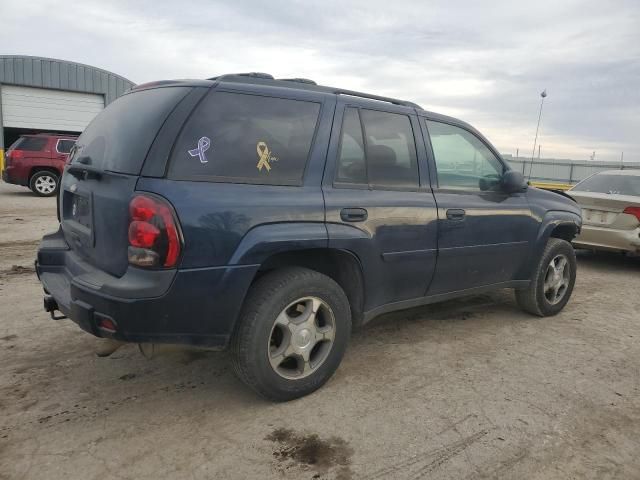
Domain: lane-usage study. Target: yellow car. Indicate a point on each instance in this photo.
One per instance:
(610, 203)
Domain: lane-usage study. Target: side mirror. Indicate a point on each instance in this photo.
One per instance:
(513, 181)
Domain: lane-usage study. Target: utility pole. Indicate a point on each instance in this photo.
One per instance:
(543, 95)
(622, 161)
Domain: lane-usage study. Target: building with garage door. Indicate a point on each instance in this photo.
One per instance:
(40, 95)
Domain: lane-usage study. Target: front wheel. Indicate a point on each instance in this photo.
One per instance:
(552, 281)
(44, 183)
(292, 333)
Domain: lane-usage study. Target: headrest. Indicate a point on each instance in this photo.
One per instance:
(381, 155)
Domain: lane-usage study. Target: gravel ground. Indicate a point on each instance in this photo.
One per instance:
(470, 388)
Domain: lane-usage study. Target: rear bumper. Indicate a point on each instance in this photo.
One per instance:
(194, 306)
(599, 238)
(10, 175)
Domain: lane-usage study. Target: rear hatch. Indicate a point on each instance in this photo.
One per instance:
(101, 177)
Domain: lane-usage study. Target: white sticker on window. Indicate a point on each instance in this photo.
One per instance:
(203, 145)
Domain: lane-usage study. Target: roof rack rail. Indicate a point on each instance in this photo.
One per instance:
(299, 80)
(395, 101)
(247, 74)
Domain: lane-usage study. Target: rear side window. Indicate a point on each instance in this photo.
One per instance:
(244, 138)
(31, 144)
(65, 146)
(387, 144)
(119, 137)
(351, 161)
(612, 184)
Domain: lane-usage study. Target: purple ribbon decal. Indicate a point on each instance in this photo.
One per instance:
(203, 145)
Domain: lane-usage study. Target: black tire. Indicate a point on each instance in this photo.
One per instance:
(533, 299)
(251, 342)
(44, 183)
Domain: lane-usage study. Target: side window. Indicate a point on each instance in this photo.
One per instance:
(246, 138)
(65, 146)
(462, 159)
(33, 144)
(389, 150)
(351, 163)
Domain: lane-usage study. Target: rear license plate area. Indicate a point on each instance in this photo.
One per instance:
(77, 211)
(597, 217)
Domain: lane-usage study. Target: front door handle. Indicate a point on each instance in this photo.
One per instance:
(455, 214)
(353, 214)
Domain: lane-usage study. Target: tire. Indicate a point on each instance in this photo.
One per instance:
(272, 324)
(44, 183)
(540, 298)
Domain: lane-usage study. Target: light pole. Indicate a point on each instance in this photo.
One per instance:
(543, 95)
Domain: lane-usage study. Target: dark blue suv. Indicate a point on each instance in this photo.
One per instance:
(273, 216)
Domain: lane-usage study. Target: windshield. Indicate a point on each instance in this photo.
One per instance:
(612, 184)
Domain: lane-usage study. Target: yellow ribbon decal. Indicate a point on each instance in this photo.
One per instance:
(264, 156)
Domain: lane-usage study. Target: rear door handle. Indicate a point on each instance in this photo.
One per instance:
(455, 214)
(353, 214)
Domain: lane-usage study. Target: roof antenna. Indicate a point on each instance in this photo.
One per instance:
(535, 140)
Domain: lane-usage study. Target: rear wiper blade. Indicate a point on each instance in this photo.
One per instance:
(83, 172)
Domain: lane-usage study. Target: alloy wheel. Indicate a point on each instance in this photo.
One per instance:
(556, 279)
(301, 338)
(45, 184)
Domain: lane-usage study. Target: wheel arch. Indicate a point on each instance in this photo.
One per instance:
(342, 266)
(560, 224)
(42, 168)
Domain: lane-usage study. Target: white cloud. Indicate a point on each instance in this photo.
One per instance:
(483, 62)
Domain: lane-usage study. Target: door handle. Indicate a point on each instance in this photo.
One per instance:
(353, 214)
(455, 214)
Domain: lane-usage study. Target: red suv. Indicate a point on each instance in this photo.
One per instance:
(37, 161)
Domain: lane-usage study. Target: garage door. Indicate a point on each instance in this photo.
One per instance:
(39, 108)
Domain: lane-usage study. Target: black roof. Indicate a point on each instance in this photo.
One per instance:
(304, 84)
(258, 78)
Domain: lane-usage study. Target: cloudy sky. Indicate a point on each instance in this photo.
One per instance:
(484, 64)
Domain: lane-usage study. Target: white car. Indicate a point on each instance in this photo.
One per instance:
(610, 203)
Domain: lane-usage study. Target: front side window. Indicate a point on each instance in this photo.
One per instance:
(462, 159)
(384, 155)
(246, 138)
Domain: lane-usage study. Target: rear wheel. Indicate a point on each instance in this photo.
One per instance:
(44, 183)
(552, 282)
(292, 333)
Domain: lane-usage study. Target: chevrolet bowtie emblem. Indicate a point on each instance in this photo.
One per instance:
(264, 156)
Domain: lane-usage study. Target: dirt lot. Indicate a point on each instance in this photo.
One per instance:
(467, 389)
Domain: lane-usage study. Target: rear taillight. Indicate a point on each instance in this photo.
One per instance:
(154, 237)
(635, 211)
(13, 155)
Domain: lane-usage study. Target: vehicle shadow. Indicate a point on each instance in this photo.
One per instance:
(20, 193)
(608, 260)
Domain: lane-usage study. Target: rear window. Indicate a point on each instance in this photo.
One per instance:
(119, 137)
(30, 144)
(244, 138)
(613, 184)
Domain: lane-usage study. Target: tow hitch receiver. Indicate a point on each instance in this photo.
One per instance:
(50, 305)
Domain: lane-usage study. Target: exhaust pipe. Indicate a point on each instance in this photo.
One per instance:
(50, 305)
